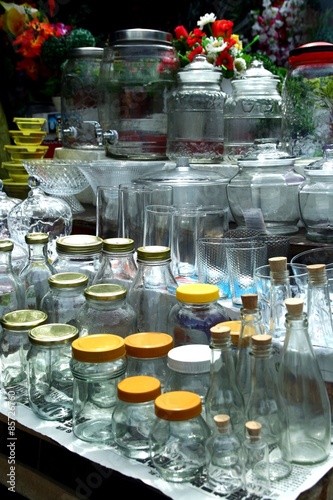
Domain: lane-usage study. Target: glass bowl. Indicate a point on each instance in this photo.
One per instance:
(27, 137)
(29, 123)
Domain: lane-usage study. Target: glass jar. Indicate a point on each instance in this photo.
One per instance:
(50, 380)
(80, 128)
(307, 100)
(147, 354)
(136, 72)
(78, 253)
(106, 310)
(178, 436)
(98, 364)
(134, 415)
(252, 111)
(315, 198)
(195, 113)
(12, 291)
(264, 192)
(196, 311)
(14, 346)
(65, 297)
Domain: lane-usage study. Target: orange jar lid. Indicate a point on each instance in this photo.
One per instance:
(139, 389)
(148, 344)
(178, 405)
(98, 348)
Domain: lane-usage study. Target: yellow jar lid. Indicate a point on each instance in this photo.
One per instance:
(178, 405)
(52, 334)
(197, 293)
(139, 389)
(148, 344)
(98, 348)
(67, 280)
(23, 319)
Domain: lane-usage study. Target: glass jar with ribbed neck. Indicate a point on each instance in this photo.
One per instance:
(65, 297)
(117, 262)
(106, 310)
(153, 290)
(12, 294)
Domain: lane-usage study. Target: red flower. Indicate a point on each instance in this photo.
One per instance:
(181, 32)
(30, 66)
(195, 37)
(195, 51)
(225, 59)
(222, 28)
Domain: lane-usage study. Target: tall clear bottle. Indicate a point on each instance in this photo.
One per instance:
(251, 324)
(153, 289)
(223, 395)
(306, 437)
(37, 269)
(12, 296)
(265, 403)
(279, 292)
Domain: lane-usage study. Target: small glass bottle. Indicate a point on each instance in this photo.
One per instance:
(306, 437)
(14, 346)
(178, 436)
(117, 262)
(50, 380)
(98, 364)
(78, 253)
(153, 290)
(280, 290)
(256, 461)
(12, 296)
(319, 307)
(189, 370)
(223, 395)
(65, 297)
(196, 311)
(133, 415)
(37, 269)
(106, 310)
(251, 324)
(147, 354)
(224, 458)
(265, 405)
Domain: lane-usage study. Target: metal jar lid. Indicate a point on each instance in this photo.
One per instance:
(53, 334)
(68, 280)
(6, 245)
(118, 245)
(105, 292)
(153, 253)
(86, 52)
(23, 319)
(141, 35)
(83, 244)
(36, 238)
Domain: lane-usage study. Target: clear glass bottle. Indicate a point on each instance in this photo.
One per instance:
(12, 293)
(106, 310)
(280, 290)
(256, 461)
(251, 324)
(14, 346)
(196, 311)
(196, 113)
(265, 404)
(65, 297)
(153, 290)
(224, 458)
(178, 436)
(306, 438)
(79, 253)
(147, 354)
(223, 395)
(37, 269)
(189, 370)
(50, 380)
(98, 364)
(319, 307)
(118, 264)
(134, 415)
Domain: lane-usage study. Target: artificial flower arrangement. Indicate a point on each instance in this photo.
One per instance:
(215, 39)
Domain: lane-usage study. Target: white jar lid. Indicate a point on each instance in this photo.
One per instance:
(193, 358)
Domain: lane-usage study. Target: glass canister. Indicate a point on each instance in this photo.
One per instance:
(307, 99)
(252, 111)
(98, 364)
(80, 128)
(106, 310)
(78, 253)
(14, 346)
(137, 70)
(316, 197)
(264, 192)
(50, 380)
(195, 113)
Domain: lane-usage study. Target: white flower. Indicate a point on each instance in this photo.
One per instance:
(214, 45)
(239, 65)
(206, 19)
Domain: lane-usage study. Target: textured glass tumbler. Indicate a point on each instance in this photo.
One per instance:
(107, 211)
(212, 264)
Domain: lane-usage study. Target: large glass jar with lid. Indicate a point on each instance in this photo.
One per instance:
(265, 190)
(137, 70)
(307, 99)
(316, 198)
(80, 128)
(195, 113)
(252, 111)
